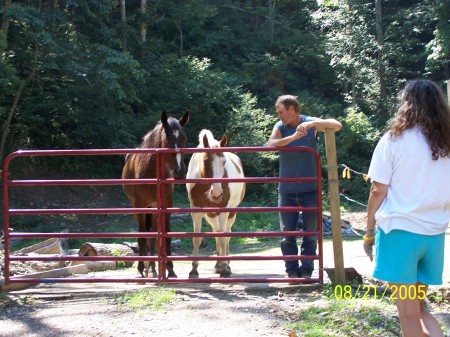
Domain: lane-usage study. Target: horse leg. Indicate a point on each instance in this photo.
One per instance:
(142, 243)
(196, 241)
(230, 221)
(169, 264)
(222, 267)
(151, 227)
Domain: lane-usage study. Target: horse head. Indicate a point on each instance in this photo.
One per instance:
(175, 138)
(214, 164)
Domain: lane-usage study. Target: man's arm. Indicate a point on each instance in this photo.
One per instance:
(320, 125)
(276, 140)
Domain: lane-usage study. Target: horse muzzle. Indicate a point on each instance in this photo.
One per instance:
(215, 199)
(180, 173)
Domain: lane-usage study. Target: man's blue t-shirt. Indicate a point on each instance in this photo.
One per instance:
(297, 163)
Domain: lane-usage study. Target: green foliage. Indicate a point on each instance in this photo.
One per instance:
(439, 47)
(338, 318)
(358, 136)
(91, 81)
(356, 142)
(146, 299)
(250, 126)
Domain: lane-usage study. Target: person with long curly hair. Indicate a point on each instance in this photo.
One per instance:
(408, 209)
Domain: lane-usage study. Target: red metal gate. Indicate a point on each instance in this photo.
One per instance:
(160, 235)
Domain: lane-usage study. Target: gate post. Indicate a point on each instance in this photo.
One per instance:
(335, 208)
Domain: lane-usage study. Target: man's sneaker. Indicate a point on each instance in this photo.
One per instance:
(305, 273)
(294, 274)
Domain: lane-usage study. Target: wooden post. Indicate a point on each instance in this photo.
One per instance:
(335, 207)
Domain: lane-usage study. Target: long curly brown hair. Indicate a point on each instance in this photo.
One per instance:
(422, 104)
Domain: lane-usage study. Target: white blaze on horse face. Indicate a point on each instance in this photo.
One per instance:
(218, 169)
(176, 134)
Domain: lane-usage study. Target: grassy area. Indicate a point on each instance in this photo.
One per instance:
(339, 312)
(345, 318)
(146, 299)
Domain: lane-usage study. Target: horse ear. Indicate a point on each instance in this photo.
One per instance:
(223, 141)
(205, 141)
(184, 119)
(164, 118)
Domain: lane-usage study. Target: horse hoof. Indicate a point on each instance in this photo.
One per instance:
(172, 275)
(193, 274)
(226, 272)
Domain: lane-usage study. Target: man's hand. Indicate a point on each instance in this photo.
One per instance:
(303, 128)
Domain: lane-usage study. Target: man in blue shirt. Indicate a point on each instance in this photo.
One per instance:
(295, 129)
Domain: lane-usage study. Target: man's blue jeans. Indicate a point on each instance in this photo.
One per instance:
(289, 221)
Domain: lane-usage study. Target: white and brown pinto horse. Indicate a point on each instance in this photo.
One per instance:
(217, 194)
(168, 133)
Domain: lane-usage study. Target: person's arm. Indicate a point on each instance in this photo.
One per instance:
(320, 125)
(276, 140)
(377, 194)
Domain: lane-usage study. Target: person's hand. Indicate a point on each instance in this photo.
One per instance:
(299, 134)
(368, 246)
(303, 128)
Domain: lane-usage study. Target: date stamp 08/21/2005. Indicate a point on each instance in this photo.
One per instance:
(393, 292)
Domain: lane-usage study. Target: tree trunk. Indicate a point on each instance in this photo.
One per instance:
(380, 42)
(352, 55)
(102, 249)
(123, 18)
(4, 26)
(179, 26)
(105, 249)
(272, 20)
(12, 110)
(142, 24)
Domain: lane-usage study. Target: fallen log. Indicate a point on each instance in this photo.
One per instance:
(94, 265)
(103, 249)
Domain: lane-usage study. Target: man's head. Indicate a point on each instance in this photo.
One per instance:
(288, 101)
(288, 110)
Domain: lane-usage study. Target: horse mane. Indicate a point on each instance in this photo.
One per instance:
(153, 139)
(156, 138)
(211, 141)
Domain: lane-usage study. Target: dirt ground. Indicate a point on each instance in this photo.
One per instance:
(200, 310)
(232, 310)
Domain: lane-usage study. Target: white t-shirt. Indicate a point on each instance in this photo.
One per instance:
(418, 197)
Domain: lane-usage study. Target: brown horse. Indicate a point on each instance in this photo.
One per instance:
(168, 133)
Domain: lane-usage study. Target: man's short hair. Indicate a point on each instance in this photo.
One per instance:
(288, 101)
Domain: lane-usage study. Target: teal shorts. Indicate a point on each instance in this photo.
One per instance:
(407, 258)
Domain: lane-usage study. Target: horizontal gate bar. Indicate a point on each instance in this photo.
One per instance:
(64, 182)
(162, 235)
(166, 280)
(157, 210)
(164, 258)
